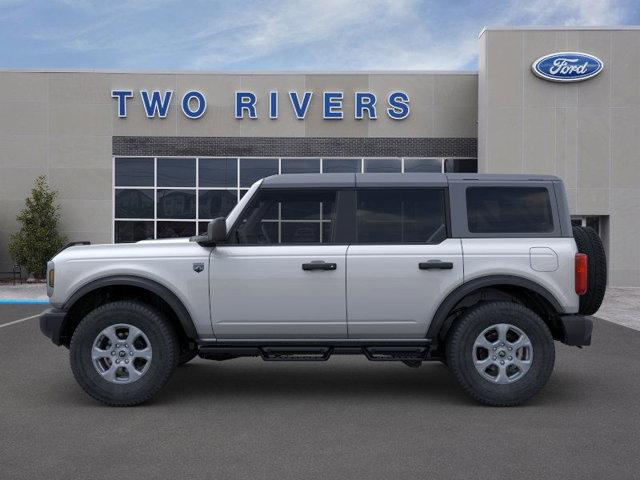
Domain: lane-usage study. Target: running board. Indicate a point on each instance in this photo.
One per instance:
(318, 350)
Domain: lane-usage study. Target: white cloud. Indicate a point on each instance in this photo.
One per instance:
(570, 12)
(299, 34)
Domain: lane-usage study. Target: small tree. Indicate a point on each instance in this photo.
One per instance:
(38, 239)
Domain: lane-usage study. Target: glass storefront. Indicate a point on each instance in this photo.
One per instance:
(167, 197)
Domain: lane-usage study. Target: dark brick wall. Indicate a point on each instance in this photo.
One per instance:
(295, 146)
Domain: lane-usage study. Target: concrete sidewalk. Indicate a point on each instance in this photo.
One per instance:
(621, 305)
(24, 292)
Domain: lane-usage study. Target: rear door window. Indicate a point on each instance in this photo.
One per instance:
(400, 216)
(509, 210)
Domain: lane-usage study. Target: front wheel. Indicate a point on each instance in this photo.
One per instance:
(123, 353)
(501, 353)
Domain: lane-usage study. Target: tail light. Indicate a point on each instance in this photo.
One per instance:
(582, 273)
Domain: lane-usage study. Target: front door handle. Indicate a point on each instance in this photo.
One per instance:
(319, 265)
(435, 265)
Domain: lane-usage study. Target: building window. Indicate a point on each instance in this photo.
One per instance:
(167, 197)
(592, 221)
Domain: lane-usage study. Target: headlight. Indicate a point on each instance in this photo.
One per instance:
(51, 278)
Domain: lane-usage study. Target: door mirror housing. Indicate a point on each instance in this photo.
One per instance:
(216, 233)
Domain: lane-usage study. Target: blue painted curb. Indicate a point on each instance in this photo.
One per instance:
(22, 301)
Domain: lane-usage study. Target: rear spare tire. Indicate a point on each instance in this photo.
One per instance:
(589, 243)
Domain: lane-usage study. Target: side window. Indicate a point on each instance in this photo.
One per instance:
(400, 216)
(509, 210)
(278, 217)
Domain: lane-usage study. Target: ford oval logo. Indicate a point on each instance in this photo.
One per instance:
(567, 66)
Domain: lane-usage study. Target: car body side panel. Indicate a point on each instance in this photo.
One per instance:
(389, 296)
(168, 263)
(263, 291)
(519, 256)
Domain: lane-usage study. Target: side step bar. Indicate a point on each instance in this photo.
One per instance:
(318, 351)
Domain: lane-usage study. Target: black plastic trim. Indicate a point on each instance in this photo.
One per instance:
(154, 287)
(576, 330)
(332, 342)
(51, 321)
(317, 349)
(469, 287)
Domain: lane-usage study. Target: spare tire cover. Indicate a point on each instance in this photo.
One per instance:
(588, 242)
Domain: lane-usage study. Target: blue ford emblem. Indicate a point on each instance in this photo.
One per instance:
(567, 66)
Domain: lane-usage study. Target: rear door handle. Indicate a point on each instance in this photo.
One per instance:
(435, 265)
(319, 265)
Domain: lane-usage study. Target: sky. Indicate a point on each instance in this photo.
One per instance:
(280, 35)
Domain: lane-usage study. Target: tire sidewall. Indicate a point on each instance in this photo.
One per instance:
(162, 344)
(460, 353)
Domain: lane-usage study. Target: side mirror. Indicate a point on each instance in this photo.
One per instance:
(216, 233)
(217, 230)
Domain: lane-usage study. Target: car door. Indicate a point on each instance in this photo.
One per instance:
(282, 273)
(402, 263)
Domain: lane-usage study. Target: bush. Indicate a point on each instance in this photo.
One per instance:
(38, 239)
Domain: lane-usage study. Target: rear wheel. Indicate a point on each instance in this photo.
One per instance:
(501, 353)
(123, 353)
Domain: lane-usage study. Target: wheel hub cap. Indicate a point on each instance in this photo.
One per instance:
(502, 353)
(121, 353)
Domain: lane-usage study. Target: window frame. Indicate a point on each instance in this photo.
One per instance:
(445, 205)
(459, 219)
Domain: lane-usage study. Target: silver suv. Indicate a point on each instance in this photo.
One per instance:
(481, 272)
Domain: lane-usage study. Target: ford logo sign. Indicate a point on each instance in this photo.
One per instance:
(567, 66)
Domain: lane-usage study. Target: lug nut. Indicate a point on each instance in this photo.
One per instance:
(126, 361)
(126, 346)
(510, 348)
(502, 344)
(495, 358)
(510, 358)
(113, 352)
(130, 353)
(118, 361)
(501, 362)
(495, 348)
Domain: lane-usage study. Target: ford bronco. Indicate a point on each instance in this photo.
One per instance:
(481, 272)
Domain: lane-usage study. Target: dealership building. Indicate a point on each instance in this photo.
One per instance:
(157, 155)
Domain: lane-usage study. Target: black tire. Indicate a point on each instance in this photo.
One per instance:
(163, 342)
(589, 243)
(187, 353)
(460, 351)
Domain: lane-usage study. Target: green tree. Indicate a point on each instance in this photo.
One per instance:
(38, 239)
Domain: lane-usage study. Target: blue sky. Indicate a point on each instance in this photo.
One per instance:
(274, 35)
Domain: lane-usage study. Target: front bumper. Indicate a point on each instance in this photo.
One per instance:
(576, 330)
(51, 321)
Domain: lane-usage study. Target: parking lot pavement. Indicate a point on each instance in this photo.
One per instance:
(346, 418)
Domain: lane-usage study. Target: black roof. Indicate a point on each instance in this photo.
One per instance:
(344, 180)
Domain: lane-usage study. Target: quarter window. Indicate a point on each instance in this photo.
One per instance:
(509, 210)
(400, 216)
(288, 217)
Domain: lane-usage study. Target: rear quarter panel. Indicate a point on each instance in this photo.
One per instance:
(514, 256)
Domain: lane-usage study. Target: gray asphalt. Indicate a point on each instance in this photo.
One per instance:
(346, 419)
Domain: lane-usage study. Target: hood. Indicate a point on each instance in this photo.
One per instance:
(172, 247)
